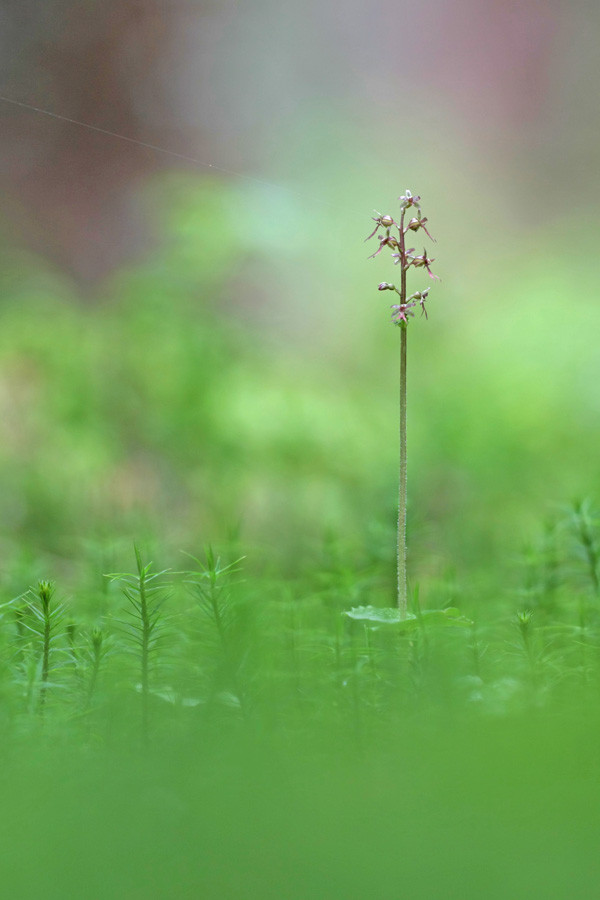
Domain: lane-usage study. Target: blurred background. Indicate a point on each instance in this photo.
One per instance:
(192, 345)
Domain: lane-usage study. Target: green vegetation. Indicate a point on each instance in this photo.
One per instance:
(237, 735)
(207, 689)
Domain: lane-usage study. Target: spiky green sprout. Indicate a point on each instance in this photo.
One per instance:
(210, 585)
(145, 592)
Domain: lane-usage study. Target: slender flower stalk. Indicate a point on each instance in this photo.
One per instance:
(403, 482)
(402, 486)
(401, 312)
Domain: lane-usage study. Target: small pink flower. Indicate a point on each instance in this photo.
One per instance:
(397, 257)
(400, 312)
(423, 262)
(388, 241)
(382, 222)
(420, 297)
(418, 222)
(407, 200)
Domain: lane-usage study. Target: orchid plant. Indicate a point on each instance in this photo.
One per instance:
(393, 236)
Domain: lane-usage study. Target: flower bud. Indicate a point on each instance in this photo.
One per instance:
(384, 286)
(387, 221)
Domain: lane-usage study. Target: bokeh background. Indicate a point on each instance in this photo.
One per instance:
(192, 345)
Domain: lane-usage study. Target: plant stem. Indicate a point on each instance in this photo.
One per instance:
(96, 658)
(45, 594)
(145, 644)
(45, 656)
(589, 546)
(402, 583)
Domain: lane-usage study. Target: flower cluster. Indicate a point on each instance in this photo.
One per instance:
(393, 235)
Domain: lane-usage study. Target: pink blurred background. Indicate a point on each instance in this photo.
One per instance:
(493, 102)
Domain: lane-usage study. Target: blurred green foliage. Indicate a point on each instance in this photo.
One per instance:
(284, 749)
(433, 821)
(219, 389)
(189, 402)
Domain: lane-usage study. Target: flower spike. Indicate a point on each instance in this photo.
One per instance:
(394, 237)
